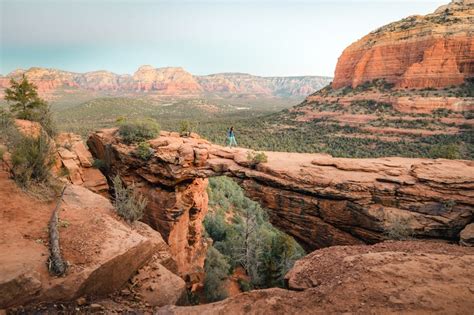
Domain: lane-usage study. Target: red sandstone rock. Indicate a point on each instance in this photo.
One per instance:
(436, 50)
(320, 200)
(77, 160)
(391, 277)
(103, 251)
(467, 235)
(168, 81)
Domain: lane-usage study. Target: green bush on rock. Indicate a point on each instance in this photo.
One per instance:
(138, 130)
(128, 204)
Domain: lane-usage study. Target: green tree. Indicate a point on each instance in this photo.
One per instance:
(25, 103)
(217, 271)
(24, 100)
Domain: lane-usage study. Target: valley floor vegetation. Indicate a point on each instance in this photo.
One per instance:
(262, 127)
(243, 237)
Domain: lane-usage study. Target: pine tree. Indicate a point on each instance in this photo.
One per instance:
(26, 104)
(24, 100)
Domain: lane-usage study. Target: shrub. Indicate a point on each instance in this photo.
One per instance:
(128, 204)
(32, 159)
(6, 119)
(138, 131)
(45, 118)
(99, 164)
(185, 128)
(144, 151)
(445, 151)
(245, 285)
(256, 158)
(398, 229)
(217, 271)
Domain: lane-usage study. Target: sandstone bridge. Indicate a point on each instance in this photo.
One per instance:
(317, 199)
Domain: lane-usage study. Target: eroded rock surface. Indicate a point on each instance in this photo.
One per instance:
(435, 50)
(103, 251)
(75, 160)
(318, 199)
(391, 277)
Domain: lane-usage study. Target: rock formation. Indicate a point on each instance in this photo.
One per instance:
(318, 199)
(103, 252)
(77, 162)
(436, 50)
(391, 277)
(170, 81)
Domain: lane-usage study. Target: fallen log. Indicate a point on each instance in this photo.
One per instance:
(56, 264)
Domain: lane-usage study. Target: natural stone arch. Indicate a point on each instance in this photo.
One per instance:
(318, 199)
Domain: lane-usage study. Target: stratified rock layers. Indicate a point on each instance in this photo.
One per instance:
(436, 50)
(175, 209)
(318, 199)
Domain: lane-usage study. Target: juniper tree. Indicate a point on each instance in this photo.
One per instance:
(24, 100)
(25, 103)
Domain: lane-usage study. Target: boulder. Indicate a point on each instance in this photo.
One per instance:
(102, 251)
(391, 277)
(467, 235)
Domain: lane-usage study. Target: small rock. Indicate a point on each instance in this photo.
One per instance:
(81, 301)
(125, 292)
(96, 307)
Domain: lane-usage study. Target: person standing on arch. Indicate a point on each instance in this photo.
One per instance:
(231, 137)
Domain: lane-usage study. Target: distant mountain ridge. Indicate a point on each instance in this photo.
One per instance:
(170, 81)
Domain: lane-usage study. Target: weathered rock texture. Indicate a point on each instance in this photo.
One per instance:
(176, 207)
(318, 199)
(467, 235)
(103, 251)
(168, 81)
(76, 162)
(436, 50)
(393, 278)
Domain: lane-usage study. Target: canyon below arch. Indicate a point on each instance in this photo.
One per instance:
(320, 200)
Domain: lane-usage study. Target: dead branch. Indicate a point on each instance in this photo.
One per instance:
(56, 264)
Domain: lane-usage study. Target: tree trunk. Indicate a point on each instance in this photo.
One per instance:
(56, 264)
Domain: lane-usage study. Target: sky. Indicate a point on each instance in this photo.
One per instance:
(261, 37)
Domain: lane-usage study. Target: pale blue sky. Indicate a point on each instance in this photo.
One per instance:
(260, 37)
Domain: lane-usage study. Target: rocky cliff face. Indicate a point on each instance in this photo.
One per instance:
(318, 199)
(169, 81)
(436, 50)
(384, 278)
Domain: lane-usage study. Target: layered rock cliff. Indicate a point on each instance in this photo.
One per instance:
(169, 81)
(436, 50)
(318, 199)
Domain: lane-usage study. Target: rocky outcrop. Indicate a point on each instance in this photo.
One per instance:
(175, 208)
(102, 251)
(467, 235)
(318, 199)
(76, 163)
(171, 81)
(436, 50)
(395, 277)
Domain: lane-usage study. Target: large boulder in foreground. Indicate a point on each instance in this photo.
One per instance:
(391, 277)
(103, 251)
